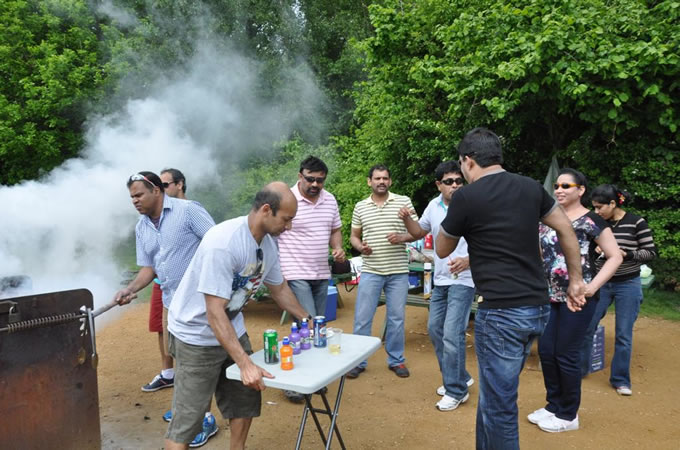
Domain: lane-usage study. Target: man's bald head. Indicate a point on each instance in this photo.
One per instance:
(276, 194)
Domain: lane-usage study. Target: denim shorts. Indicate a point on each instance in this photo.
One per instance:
(200, 373)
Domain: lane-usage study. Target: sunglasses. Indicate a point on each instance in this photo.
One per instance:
(259, 256)
(565, 185)
(167, 185)
(140, 177)
(450, 181)
(319, 180)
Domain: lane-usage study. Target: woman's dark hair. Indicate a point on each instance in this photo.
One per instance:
(606, 193)
(579, 179)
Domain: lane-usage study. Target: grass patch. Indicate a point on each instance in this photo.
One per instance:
(661, 304)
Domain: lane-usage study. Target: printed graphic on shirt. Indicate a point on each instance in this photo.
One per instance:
(244, 287)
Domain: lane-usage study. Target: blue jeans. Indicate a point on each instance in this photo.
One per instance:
(503, 338)
(627, 297)
(560, 351)
(449, 315)
(312, 295)
(396, 290)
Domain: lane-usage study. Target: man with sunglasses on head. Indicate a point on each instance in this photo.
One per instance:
(167, 236)
(173, 183)
(453, 293)
(304, 249)
(498, 215)
(206, 325)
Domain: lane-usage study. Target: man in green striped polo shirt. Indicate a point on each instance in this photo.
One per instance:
(379, 234)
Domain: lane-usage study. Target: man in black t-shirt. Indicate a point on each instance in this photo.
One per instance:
(498, 215)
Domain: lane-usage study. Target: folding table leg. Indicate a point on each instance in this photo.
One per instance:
(332, 414)
(311, 409)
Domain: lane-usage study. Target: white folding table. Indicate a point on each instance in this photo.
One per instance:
(313, 370)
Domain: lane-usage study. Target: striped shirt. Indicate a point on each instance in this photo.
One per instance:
(169, 248)
(376, 222)
(304, 248)
(635, 238)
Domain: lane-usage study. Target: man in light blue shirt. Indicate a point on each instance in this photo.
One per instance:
(167, 235)
(453, 293)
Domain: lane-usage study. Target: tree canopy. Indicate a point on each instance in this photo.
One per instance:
(594, 83)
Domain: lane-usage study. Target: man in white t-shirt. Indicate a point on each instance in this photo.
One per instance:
(207, 330)
(453, 293)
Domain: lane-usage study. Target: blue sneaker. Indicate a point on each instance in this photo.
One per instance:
(157, 383)
(168, 415)
(209, 430)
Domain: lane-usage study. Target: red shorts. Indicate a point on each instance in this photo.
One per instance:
(156, 309)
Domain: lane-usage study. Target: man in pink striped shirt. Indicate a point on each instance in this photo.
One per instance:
(304, 248)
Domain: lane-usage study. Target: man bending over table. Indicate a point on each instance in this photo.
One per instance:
(207, 330)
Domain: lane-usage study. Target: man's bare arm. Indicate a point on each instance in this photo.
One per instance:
(336, 245)
(445, 245)
(413, 227)
(251, 375)
(284, 297)
(358, 244)
(129, 293)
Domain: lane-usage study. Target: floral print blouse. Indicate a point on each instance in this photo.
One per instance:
(587, 228)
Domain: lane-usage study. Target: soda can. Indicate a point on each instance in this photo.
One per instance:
(319, 331)
(271, 347)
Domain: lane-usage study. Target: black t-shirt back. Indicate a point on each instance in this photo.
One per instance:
(498, 216)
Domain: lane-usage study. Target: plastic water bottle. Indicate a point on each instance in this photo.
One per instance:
(295, 338)
(427, 280)
(305, 339)
(286, 355)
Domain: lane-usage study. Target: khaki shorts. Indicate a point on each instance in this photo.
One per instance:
(200, 373)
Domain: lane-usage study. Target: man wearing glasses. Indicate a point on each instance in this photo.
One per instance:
(207, 329)
(304, 249)
(174, 183)
(498, 215)
(453, 293)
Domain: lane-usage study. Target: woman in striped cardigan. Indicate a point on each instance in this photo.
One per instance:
(624, 289)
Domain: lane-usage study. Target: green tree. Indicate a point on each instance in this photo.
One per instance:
(593, 82)
(49, 64)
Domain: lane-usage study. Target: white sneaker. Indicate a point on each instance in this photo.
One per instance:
(441, 390)
(554, 424)
(449, 403)
(539, 415)
(621, 390)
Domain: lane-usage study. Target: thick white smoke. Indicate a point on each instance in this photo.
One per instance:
(62, 231)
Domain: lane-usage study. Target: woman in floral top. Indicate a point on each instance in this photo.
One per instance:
(560, 346)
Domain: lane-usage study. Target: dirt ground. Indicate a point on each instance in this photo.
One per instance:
(381, 411)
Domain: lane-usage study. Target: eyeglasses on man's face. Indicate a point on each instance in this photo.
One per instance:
(450, 181)
(311, 180)
(167, 184)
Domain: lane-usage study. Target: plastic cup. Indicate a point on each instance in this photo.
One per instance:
(334, 337)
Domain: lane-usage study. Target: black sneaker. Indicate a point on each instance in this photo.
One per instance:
(400, 370)
(293, 396)
(354, 373)
(158, 382)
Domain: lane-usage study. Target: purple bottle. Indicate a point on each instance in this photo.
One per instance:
(295, 339)
(305, 338)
